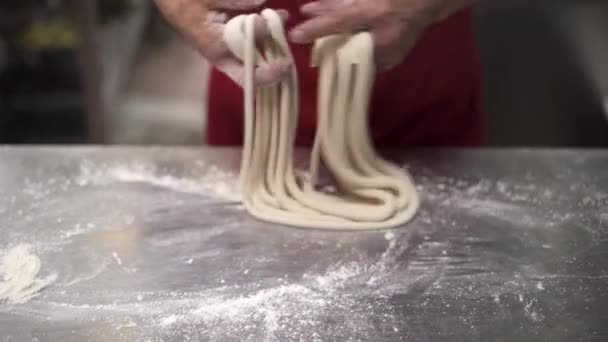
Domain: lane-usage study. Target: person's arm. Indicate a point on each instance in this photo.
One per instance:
(202, 23)
(395, 24)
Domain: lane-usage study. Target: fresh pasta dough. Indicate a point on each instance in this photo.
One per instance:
(373, 193)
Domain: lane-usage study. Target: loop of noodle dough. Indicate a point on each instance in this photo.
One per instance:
(375, 194)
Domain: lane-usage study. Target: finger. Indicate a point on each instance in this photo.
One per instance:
(315, 8)
(391, 45)
(265, 74)
(234, 5)
(319, 7)
(232, 68)
(284, 14)
(217, 17)
(334, 22)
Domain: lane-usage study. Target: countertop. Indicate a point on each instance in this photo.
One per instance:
(151, 244)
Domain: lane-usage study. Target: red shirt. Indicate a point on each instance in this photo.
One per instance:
(432, 99)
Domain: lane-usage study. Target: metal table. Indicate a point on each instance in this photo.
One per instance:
(149, 244)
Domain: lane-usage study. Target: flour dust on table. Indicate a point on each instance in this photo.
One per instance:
(143, 253)
(213, 182)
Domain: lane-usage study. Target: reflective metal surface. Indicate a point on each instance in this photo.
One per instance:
(149, 245)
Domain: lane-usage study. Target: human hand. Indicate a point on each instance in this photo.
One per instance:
(203, 21)
(395, 24)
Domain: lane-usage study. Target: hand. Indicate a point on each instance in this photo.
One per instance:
(395, 24)
(202, 22)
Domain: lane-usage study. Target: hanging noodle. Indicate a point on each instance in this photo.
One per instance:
(374, 193)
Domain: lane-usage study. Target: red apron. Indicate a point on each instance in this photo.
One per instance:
(432, 99)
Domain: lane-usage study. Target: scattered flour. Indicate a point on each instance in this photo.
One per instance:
(19, 269)
(168, 320)
(79, 229)
(117, 258)
(215, 182)
(532, 312)
(389, 235)
(286, 311)
(287, 308)
(266, 306)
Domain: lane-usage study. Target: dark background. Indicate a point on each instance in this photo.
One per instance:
(65, 67)
(546, 71)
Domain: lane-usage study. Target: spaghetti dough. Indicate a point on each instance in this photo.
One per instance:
(373, 193)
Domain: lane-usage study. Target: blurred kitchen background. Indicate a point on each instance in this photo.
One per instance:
(112, 71)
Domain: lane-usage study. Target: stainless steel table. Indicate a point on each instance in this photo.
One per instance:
(150, 244)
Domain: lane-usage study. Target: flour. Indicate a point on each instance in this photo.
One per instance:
(19, 269)
(214, 182)
(285, 308)
(275, 310)
(79, 229)
(268, 306)
(531, 311)
(288, 311)
(168, 320)
(117, 258)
